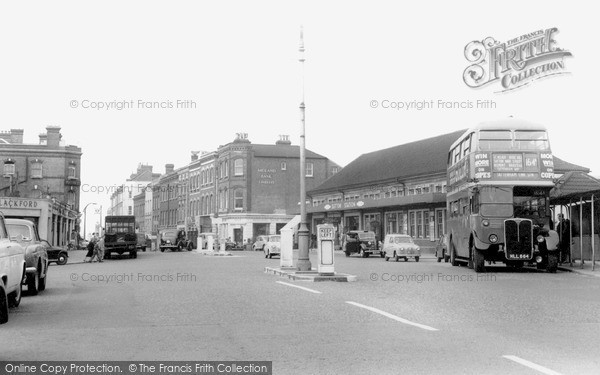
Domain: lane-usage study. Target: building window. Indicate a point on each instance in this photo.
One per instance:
(238, 167)
(309, 169)
(283, 166)
(129, 210)
(9, 168)
(226, 168)
(334, 170)
(71, 172)
(36, 169)
(238, 199)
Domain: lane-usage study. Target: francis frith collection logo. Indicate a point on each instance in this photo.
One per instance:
(515, 63)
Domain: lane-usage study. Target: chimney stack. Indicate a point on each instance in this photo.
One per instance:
(284, 140)
(53, 136)
(169, 168)
(16, 136)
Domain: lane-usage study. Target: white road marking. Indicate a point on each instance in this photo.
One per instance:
(531, 365)
(299, 287)
(391, 316)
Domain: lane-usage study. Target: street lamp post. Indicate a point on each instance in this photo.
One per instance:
(303, 255)
(85, 218)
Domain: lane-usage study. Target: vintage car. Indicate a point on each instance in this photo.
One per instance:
(12, 272)
(441, 249)
(362, 242)
(174, 240)
(400, 246)
(56, 254)
(36, 252)
(272, 246)
(260, 242)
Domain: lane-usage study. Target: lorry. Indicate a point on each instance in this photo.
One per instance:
(120, 236)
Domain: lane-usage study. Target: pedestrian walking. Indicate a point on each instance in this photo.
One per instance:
(90, 249)
(98, 250)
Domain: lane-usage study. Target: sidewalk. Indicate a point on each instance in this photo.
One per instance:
(586, 270)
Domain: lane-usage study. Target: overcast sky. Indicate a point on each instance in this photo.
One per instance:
(238, 62)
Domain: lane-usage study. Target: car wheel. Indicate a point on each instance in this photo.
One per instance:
(3, 306)
(396, 256)
(387, 258)
(417, 259)
(361, 253)
(439, 259)
(270, 255)
(406, 259)
(381, 254)
(347, 253)
(42, 286)
(33, 283)
(162, 249)
(14, 298)
(62, 259)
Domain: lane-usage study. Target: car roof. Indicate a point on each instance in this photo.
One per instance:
(397, 235)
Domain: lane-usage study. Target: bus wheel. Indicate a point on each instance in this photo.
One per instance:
(552, 263)
(478, 261)
(453, 259)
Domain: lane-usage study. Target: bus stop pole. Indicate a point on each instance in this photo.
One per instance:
(593, 237)
(570, 232)
(581, 229)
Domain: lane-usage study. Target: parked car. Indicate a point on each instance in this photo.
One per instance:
(273, 246)
(57, 255)
(362, 242)
(260, 243)
(441, 249)
(12, 272)
(36, 252)
(400, 246)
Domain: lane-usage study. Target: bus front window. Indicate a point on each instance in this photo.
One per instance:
(495, 201)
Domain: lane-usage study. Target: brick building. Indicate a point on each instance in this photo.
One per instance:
(41, 182)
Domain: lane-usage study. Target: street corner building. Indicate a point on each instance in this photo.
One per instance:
(41, 182)
(238, 192)
(400, 189)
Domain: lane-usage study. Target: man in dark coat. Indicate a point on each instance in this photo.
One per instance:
(564, 234)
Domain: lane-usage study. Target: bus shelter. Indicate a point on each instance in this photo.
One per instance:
(577, 196)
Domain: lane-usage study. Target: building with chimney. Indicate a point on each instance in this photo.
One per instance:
(41, 182)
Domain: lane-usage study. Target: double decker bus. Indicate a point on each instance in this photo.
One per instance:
(500, 174)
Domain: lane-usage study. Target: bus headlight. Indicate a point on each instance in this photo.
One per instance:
(493, 238)
(485, 222)
(540, 238)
